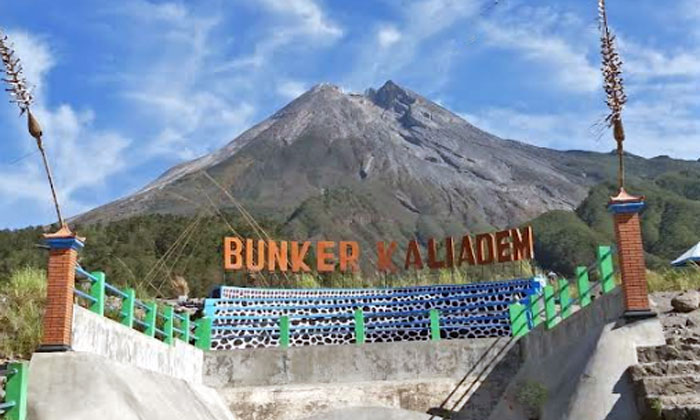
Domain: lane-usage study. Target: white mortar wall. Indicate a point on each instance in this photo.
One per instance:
(102, 336)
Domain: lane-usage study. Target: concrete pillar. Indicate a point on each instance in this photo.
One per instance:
(58, 316)
(625, 209)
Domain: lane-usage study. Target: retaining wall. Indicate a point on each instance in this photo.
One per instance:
(346, 363)
(584, 359)
(324, 381)
(102, 336)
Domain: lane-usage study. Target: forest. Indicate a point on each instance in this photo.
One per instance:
(147, 252)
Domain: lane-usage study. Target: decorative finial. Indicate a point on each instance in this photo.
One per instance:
(21, 94)
(18, 88)
(612, 84)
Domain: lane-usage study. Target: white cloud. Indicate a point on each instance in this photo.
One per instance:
(292, 23)
(418, 23)
(566, 130)
(652, 128)
(311, 19)
(552, 40)
(644, 62)
(291, 89)
(388, 36)
(187, 110)
(82, 156)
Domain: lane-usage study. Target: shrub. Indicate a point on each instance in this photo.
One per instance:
(22, 300)
(307, 281)
(532, 395)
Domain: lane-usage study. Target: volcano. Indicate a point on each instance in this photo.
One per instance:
(386, 164)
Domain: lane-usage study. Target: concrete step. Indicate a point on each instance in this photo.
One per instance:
(675, 400)
(684, 400)
(297, 401)
(679, 407)
(674, 367)
(690, 412)
(689, 339)
(680, 351)
(674, 385)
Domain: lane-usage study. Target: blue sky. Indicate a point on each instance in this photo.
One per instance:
(125, 89)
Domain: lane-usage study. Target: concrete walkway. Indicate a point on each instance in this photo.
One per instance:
(81, 386)
(370, 413)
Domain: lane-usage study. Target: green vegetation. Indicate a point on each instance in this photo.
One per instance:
(670, 279)
(532, 396)
(148, 252)
(656, 407)
(22, 298)
(129, 251)
(670, 224)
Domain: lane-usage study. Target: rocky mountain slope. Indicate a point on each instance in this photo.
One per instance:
(387, 164)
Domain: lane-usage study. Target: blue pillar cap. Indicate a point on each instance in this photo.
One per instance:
(624, 202)
(632, 207)
(64, 239)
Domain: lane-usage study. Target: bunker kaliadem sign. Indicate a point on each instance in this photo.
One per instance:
(271, 255)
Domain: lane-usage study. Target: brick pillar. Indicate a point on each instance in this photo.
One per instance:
(625, 209)
(58, 316)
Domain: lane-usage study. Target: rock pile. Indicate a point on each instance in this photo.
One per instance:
(686, 302)
(667, 378)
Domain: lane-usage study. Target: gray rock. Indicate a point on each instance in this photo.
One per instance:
(686, 302)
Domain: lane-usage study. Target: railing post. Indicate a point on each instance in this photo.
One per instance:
(583, 286)
(97, 291)
(185, 327)
(605, 268)
(209, 307)
(518, 319)
(169, 314)
(58, 315)
(202, 333)
(564, 298)
(151, 317)
(434, 324)
(284, 331)
(535, 306)
(127, 314)
(359, 326)
(550, 310)
(16, 391)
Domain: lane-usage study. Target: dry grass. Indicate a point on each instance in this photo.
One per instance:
(674, 279)
(22, 300)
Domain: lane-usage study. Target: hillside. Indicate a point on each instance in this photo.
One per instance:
(670, 223)
(387, 164)
(129, 249)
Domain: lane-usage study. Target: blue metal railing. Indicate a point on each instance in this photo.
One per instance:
(284, 313)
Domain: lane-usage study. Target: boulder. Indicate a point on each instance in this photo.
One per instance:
(686, 302)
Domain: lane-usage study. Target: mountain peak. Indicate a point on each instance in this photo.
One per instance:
(325, 86)
(394, 150)
(392, 96)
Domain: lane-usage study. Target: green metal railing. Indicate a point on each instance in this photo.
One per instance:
(172, 325)
(14, 405)
(542, 307)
